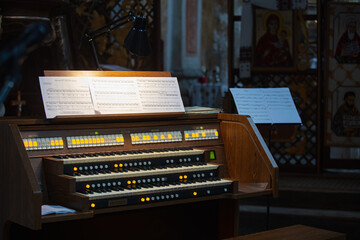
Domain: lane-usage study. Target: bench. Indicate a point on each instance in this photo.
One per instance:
(295, 232)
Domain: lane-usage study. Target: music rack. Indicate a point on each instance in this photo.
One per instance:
(33, 150)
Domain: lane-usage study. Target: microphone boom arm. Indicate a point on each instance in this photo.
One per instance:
(92, 35)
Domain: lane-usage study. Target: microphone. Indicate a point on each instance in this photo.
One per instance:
(27, 41)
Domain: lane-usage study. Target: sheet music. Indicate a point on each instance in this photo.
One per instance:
(160, 94)
(66, 96)
(109, 95)
(266, 105)
(113, 95)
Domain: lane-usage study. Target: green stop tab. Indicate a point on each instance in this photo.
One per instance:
(212, 155)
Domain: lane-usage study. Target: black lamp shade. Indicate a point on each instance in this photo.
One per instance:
(137, 40)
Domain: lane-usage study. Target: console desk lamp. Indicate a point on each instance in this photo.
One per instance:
(137, 41)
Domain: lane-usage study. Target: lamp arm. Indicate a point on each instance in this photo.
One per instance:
(106, 29)
(111, 26)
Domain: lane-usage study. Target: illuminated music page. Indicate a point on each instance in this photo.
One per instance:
(160, 94)
(66, 96)
(266, 105)
(110, 95)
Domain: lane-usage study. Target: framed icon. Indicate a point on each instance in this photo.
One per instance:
(341, 79)
(273, 40)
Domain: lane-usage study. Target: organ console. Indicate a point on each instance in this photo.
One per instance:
(159, 176)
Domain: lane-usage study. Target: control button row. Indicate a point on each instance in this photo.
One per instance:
(156, 137)
(95, 140)
(43, 143)
(205, 134)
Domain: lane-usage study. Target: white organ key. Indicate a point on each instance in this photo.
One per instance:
(129, 156)
(141, 173)
(128, 192)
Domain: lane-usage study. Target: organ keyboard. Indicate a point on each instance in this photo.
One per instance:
(113, 164)
(167, 170)
(133, 177)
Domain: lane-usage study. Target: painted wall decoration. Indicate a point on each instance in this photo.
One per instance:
(246, 33)
(343, 75)
(273, 39)
(191, 28)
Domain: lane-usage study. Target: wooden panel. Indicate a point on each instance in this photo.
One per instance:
(74, 73)
(120, 117)
(193, 220)
(22, 196)
(248, 159)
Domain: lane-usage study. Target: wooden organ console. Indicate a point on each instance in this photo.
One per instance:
(168, 176)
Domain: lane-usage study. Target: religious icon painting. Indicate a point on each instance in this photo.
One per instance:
(346, 39)
(273, 40)
(342, 110)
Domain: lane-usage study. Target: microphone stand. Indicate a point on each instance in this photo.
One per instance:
(10, 80)
(92, 35)
(12, 57)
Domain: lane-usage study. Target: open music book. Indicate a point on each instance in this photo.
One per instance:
(63, 96)
(266, 105)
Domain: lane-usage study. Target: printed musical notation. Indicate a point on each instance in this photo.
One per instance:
(65, 97)
(160, 94)
(266, 105)
(109, 95)
(114, 95)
